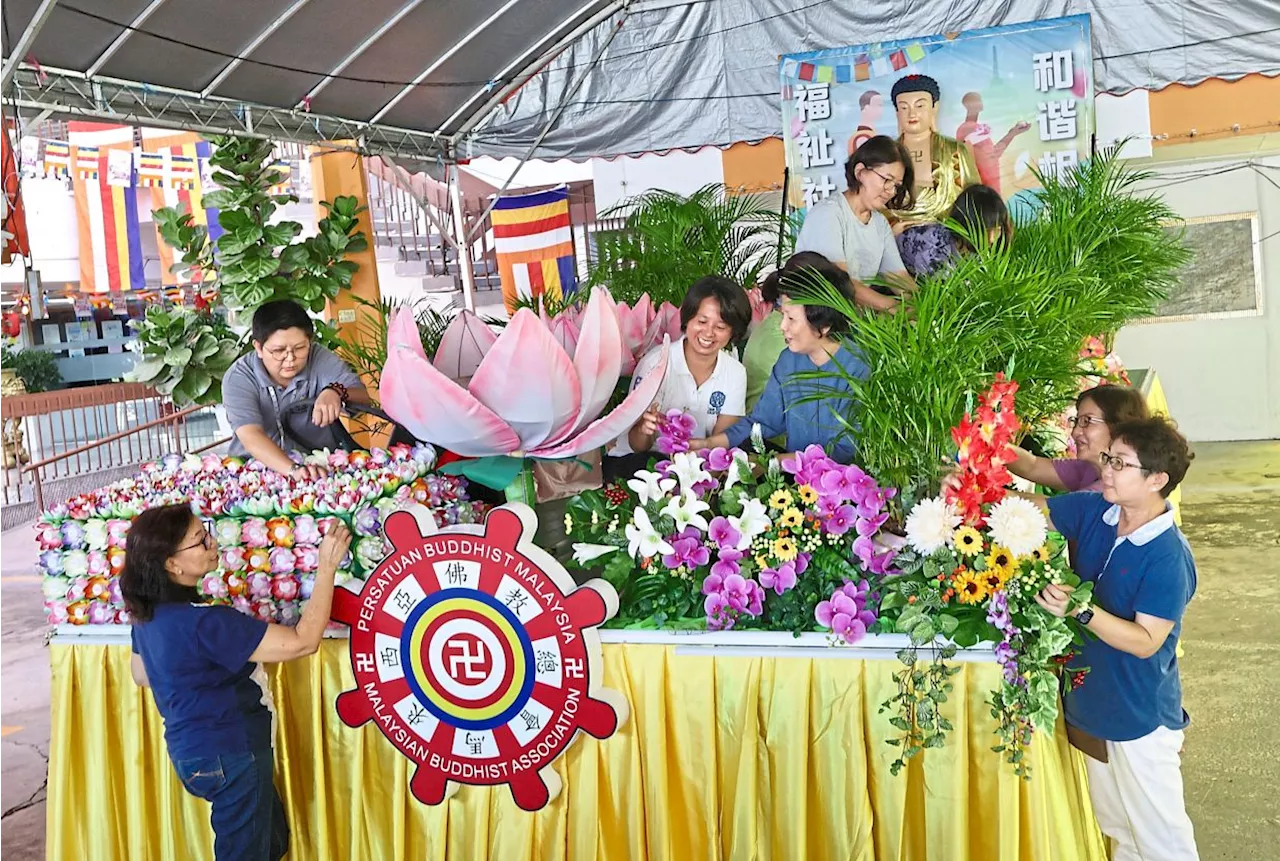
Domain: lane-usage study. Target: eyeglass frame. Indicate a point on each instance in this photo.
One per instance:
(896, 184)
(208, 542)
(1087, 421)
(280, 353)
(1106, 461)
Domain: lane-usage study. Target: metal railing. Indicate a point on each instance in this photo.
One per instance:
(79, 439)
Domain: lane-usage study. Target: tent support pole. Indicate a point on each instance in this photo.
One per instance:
(462, 241)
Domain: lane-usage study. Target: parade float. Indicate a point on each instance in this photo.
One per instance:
(769, 654)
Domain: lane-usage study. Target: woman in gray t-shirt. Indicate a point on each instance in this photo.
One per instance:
(849, 230)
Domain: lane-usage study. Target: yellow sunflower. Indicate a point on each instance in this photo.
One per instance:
(780, 499)
(999, 557)
(807, 494)
(791, 518)
(785, 549)
(1041, 553)
(970, 587)
(994, 578)
(968, 541)
(761, 562)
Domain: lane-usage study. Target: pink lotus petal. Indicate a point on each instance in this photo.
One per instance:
(464, 345)
(527, 379)
(566, 332)
(433, 407)
(667, 322)
(623, 416)
(597, 361)
(634, 324)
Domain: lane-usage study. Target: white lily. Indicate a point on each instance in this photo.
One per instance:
(689, 469)
(686, 510)
(737, 470)
(643, 541)
(650, 486)
(753, 521)
(585, 553)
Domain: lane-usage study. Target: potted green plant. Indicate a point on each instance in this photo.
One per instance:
(183, 353)
(33, 370)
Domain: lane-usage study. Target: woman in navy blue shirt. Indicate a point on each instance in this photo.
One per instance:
(789, 405)
(203, 663)
(1129, 709)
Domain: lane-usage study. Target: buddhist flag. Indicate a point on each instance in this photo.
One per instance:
(183, 186)
(534, 245)
(110, 241)
(57, 158)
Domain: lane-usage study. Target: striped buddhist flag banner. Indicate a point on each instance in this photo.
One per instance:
(57, 158)
(110, 238)
(534, 245)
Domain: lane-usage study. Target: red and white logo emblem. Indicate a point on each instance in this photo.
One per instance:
(476, 655)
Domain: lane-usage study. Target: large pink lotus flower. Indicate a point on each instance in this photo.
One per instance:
(642, 328)
(526, 395)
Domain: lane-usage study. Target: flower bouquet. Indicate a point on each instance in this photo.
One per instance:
(722, 539)
(267, 526)
(976, 558)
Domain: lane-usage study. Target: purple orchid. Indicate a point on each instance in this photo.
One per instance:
(688, 552)
(779, 579)
(723, 533)
(727, 564)
(846, 612)
(719, 458)
(840, 521)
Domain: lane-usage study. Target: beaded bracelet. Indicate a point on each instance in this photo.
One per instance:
(340, 389)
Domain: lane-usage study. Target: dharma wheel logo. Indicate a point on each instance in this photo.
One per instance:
(476, 656)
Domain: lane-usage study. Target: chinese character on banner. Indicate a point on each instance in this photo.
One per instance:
(816, 191)
(1058, 120)
(815, 151)
(814, 103)
(1056, 164)
(1054, 70)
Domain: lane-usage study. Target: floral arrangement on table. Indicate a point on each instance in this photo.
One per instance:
(975, 560)
(723, 539)
(267, 526)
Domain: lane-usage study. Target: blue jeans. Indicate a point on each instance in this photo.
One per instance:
(248, 818)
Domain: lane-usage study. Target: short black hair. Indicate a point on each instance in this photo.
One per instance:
(154, 536)
(735, 307)
(1118, 404)
(797, 261)
(865, 98)
(1159, 447)
(272, 317)
(877, 152)
(915, 84)
(823, 319)
(978, 209)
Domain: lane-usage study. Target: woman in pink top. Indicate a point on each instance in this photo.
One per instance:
(1098, 410)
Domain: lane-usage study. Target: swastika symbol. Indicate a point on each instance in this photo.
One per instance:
(364, 662)
(468, 659)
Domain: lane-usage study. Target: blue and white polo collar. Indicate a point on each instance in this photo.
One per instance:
(1145, 533)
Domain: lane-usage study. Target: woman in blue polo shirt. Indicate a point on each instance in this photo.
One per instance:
(203, 663)
(1143, 575)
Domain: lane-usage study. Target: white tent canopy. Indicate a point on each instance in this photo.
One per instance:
(561, 78)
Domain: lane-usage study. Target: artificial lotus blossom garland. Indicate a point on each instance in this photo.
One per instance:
(267, 526)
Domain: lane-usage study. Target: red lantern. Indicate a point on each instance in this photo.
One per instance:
(12, 324)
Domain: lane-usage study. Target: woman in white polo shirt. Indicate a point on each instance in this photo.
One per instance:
(702, 379)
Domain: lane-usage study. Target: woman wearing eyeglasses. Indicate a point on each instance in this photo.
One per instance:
(1128, 714)
(849, 230)
(1098, 410)
(203, 662)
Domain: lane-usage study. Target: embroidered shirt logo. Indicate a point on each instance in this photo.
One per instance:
(717, 403)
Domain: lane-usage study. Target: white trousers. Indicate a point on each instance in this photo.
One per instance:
(1137, 799)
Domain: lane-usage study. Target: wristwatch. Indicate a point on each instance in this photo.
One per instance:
(1085, 616)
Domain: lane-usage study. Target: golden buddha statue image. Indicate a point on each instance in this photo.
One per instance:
(943, 166)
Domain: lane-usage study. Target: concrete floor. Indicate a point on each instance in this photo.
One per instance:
(1231, 671)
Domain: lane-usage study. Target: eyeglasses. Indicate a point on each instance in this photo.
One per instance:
(206, 541)
(889, 182)
(279, 353)
(1116, 464)
(1085, 421)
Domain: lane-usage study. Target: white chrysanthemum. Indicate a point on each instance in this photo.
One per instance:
(1017, 524)
(931, 525)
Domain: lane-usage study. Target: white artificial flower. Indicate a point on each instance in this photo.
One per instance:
(689, 469)
(1017, 525)
(686, 510)
(757, 438)
(753, 521)
(585, 553)
(643, 540)
(650, 486)
(931, 525)
(739, 468)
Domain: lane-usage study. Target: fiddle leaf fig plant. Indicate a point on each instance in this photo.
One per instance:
(184, 354)
(256, 260)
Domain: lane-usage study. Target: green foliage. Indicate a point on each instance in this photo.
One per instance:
(184, 354)
(258, 261)
(670, 241)
(38, 369)
(1089, 258)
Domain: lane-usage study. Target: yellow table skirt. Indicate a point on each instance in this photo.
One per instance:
(770, 758)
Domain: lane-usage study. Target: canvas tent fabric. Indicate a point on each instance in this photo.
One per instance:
(488, 76)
